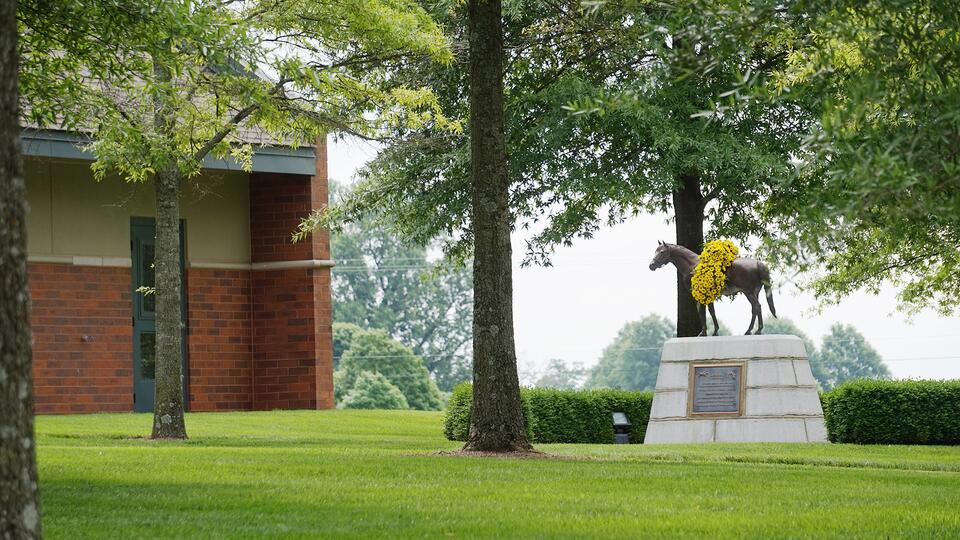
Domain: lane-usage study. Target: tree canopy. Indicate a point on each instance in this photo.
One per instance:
(372, 390)
(160, 86)
(295, 70)
(598, 128)
(845, 355)
(632, 360)
(374, 351)
(874, 200)
(559, 375)
(383, 282)
(342, 338)
(887, 156)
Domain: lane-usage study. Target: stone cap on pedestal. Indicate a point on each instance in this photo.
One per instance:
(686, 349)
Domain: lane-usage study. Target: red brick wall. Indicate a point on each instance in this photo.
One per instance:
(320, 188)
(257, 340)
(323, 302)
(82, 338)
(285, 340)
(277, 204)
(323, 329)
(292, 309)
(219, 355)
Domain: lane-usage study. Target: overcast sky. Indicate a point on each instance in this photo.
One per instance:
(574, 309)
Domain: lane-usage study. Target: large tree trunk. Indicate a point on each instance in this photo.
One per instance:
(688, 216)
(19, 496)
(168, 398)
(496, 423)
(168, 402)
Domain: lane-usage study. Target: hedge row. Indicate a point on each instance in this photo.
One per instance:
(894, 412)
(456, 421)
(560, 416)
(859, 412)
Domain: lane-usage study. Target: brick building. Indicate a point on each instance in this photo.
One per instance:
(257, 307)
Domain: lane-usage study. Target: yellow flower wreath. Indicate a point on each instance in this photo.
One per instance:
(711, 272)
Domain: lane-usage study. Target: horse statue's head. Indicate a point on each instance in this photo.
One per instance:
(661, 256)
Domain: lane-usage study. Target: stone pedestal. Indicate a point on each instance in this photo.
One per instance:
(735, 389)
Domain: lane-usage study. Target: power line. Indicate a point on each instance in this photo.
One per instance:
(366, 260)
(355, 268)
(403, 260)
(631, 349)
(468, 356)
(910, 359)
(368, 356)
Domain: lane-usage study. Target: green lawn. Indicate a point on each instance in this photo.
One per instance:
(369, 474)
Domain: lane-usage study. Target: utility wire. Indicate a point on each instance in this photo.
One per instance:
(467, 356)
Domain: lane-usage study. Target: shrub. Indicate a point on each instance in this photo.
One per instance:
(894, 412)
(373, 391)
(555, 416)
(585, 416)
(456, 421)
(374, 351)
(861, 412)
(825, 402)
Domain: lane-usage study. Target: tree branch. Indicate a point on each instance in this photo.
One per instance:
(881, 272)
(769, 62)
(219, 136)
(233, 123)
(711, 195)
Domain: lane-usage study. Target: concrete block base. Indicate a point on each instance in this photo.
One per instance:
(779, 399)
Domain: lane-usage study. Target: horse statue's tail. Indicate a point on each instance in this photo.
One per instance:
(767, 288)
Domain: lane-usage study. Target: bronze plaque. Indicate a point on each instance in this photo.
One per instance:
(716, 389)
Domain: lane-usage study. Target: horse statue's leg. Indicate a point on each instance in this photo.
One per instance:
(755, 315)
(713, 315)
(759, 309)
(702, 310)
(753, 311)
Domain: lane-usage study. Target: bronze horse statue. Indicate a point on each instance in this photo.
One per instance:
(744, 275)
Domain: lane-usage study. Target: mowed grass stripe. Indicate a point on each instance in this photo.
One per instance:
(362, 474)
(381, 432)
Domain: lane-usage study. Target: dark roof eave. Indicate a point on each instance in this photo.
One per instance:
(266, 159)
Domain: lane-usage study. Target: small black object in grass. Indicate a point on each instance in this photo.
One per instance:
(621, 428)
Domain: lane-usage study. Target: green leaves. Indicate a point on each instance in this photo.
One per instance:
(371, 390)
(224, 76)
(845, 355)
(894, 412)
(561, 416)
(631, 361)
(374, 352)
(881, 171)
(598, 129)
(382, 282)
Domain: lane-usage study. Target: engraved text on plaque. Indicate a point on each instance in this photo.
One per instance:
(716, 389)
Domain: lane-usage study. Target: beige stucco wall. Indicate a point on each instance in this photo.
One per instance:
(71, 214)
